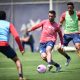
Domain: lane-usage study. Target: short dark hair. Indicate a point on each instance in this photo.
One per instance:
(2, 15)
(52, 12)
(70, 3)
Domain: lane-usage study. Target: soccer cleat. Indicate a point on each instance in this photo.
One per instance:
(49, 67)
(67, 62)
(58, 68)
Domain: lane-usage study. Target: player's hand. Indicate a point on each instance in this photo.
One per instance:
(29, 30)
(21, 49)
(22, 52)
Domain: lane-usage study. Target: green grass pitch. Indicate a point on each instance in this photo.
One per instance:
(30, 61)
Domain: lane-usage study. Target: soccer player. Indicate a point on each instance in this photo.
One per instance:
(5, 29)
(48, 38)
(71, 29)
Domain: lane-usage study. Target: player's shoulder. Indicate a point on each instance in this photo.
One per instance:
(63, 14)
(45, 20)
(78, 12)
(4, 22)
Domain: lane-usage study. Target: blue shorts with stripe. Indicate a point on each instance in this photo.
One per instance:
(68, 37)
(43, 46)
(8, 51)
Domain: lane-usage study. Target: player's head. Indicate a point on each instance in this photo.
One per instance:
(52, 15)
(70, 7)
(2, 15)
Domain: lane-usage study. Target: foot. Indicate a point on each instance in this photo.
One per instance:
(49, 67)
(67, 62)
(58, 68)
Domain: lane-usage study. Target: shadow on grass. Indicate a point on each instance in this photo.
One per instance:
(73, 69)
(26, 79)
(69, 70)
(61, 71)
(56, 72)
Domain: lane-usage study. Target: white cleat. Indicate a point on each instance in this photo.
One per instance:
(68, 61)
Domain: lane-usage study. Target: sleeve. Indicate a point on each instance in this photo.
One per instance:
(62, 18)
(16, 36)
(78, 14)
(37, 26)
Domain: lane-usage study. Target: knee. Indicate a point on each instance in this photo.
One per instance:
(43, 56)
(17, 62)
(60, 50)
(48, 50)
(77, 46)
(16, 59)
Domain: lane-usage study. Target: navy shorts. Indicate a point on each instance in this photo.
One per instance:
(43, 46)
(74, 37)
(8, 51)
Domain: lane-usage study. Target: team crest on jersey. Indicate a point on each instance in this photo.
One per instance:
(51, 27)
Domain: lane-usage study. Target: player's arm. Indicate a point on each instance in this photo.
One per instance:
(78, 14)
(62, 19)
(26, 38)
(16, 36)
(60, 36)
(36, 26)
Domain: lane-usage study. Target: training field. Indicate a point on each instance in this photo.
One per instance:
(30, 61)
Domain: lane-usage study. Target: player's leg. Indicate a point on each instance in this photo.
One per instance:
(63, 52)
(44, 55)
(18, 64)
(67, 38)
(10, 53)
(19, 67)
(77, 45)
(49, 48)
(76, 41)
(32, 47)
(42, 49)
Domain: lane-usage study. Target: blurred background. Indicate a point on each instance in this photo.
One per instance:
(31, 12)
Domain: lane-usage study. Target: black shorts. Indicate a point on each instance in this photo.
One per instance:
(8, 51)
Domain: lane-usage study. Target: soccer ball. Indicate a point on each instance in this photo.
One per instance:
(41, 68)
